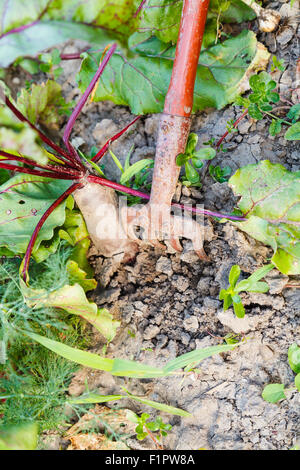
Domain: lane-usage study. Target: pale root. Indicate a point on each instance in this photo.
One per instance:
(100, 208)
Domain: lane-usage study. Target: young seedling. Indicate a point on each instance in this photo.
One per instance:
(49, 63)
(277, 64)
(230, 296)
(146, 428)
(261, 101)
(221, 175)
(193, 160)
(276, 392)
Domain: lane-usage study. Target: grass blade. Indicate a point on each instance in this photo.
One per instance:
(120, 367)
(94, 398)
(196, 356)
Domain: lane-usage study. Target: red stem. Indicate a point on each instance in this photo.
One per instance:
(103, 150)
(74, 56)
(139, 8)
(19, 29)
(44, 138)
(53, 168)
(42, 220)
(179, 99)
(32, 171)
(175, 122)
(82, 101)
(134, 192)
(234, 125)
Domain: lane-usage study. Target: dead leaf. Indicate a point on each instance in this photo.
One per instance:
(95, 442)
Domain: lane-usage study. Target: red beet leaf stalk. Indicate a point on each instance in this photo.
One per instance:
(174, 129)
(175, 121)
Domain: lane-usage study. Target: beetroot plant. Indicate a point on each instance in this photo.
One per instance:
(171, 58)
(149, 79)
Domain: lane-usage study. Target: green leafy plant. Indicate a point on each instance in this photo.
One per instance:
(122, 367)
(156, 429)
(148, 70)
(230, 296)
(33, 381)
(49, 63)
(221, 175)
(260, 102)
(276, 392)
(44, 104)
(277, 64)
(135, 175)
(192, 160)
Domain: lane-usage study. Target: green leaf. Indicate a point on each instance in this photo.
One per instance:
(293, 132)
(270, 201)
(160, 406)
(120, 367)
(266, 107)
(94, 398)
(205, 153)
(234, 274)
(251, 284)
(294, 112)
(116, 16)
(226, 296)
(18, 138)
(294, 357)
(254, 111)
(195, 356)
(191, 174)
(162, 17)
(275, 127)
(43, 104)
(24, 199)
(4, 175)
(297, 382)
(24, 142)
(239, 309)
(74, 231)
(142, 80)
(31, 66)
(191, 143)
(19, 437)
(116, 160)
(181, 159)
(197, 163)
(135, 168)
(73, 300)
(46, 34)
(55, 21)
(273, 393)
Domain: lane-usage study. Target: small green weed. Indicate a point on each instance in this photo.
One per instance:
(260, 102)
(156, 429)
(251, 284)
(192, 160)
(221, 175)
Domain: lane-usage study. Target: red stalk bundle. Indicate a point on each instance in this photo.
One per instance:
(173, 133)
